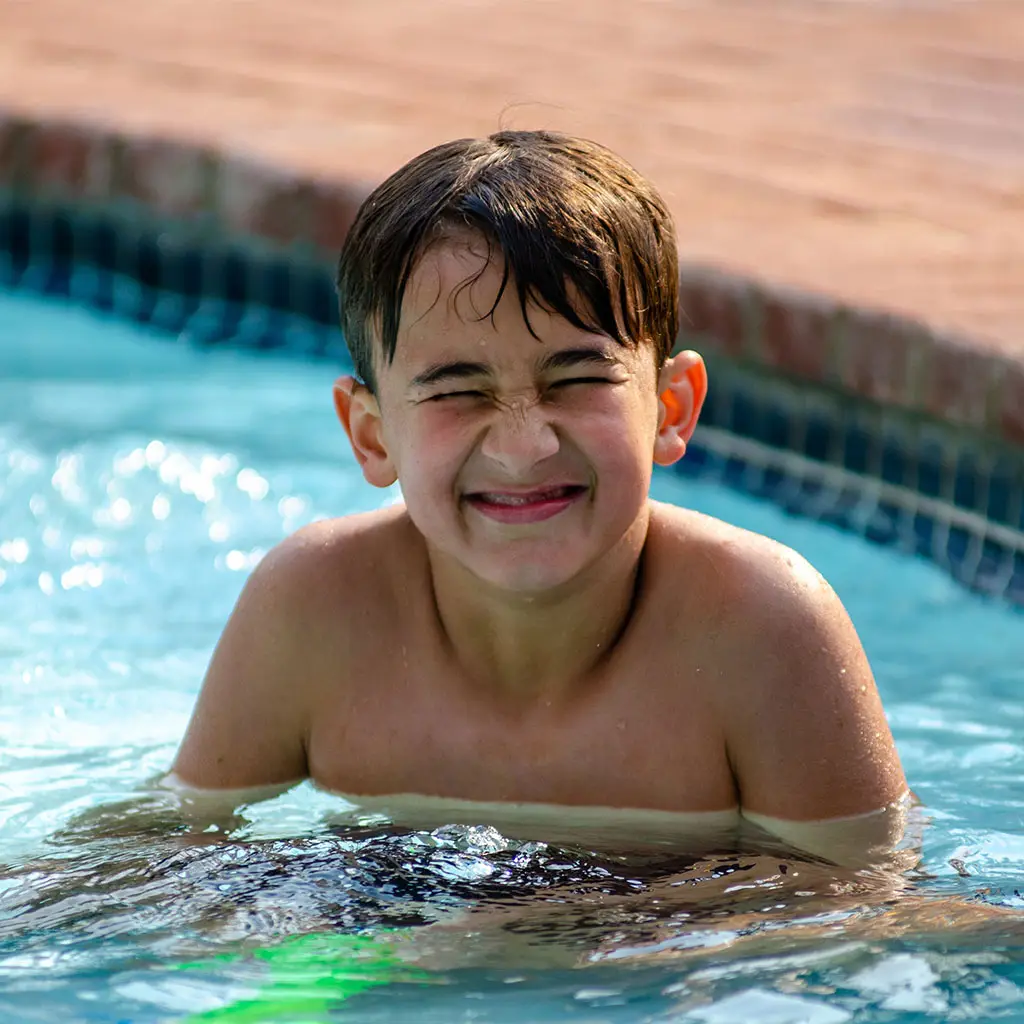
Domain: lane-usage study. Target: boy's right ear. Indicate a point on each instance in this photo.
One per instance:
(359, 413)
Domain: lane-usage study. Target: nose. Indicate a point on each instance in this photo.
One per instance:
(519, 437)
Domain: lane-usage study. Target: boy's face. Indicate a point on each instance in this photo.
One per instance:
(522, 460)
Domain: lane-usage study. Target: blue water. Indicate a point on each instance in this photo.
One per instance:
(140, 480)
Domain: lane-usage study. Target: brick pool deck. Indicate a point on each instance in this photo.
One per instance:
(867, 152)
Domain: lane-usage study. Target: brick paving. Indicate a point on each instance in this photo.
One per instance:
(873, 151)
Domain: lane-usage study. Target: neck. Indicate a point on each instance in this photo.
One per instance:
(524, 648)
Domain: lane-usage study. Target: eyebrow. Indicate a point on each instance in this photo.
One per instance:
(444, 372)
(570, 357)
(563, 359)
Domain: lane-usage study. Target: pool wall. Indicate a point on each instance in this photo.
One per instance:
(873, 421)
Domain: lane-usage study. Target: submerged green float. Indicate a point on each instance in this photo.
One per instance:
(307, 976)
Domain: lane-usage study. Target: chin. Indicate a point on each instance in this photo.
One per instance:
(531, 576)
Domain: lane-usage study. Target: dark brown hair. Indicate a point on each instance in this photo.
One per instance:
(582, 234)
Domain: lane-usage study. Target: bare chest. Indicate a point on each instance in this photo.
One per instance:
(633, 742)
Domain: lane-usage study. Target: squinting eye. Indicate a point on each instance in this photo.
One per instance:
(580, 380)
(455, 394)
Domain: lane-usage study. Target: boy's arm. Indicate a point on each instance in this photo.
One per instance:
(807, 737)
(249, 724)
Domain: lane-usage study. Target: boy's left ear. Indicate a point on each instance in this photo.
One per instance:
(682, 388)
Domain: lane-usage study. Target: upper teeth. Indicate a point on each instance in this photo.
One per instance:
(523, 499)
(509, 499)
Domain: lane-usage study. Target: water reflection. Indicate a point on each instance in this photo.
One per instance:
(466, 902)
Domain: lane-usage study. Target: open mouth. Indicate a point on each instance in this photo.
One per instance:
(525, 506)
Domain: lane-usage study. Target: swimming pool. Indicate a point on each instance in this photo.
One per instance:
(140, 479)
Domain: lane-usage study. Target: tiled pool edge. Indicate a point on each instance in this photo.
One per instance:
(846, 391)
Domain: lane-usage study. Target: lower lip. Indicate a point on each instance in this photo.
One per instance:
(532, 512)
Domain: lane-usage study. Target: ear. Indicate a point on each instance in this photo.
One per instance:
(682, 388)
(360, 416)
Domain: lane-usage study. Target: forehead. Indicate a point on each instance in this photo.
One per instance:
(449, 263)
(452, 302)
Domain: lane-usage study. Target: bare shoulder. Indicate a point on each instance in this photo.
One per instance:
(346, 586)
(743, 576)
(331, 591)
(338, 563)
(800, 710)
(296, 629)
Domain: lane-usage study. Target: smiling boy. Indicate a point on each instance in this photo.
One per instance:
(529, 627)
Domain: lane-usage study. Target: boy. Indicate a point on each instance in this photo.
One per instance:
(529, 628)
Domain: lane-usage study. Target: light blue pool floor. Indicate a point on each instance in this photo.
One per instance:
(139, 482)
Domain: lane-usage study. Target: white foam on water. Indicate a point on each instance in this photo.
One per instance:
(766, 1007)
(901, 982)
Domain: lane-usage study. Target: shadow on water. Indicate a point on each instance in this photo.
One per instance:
(462, 913)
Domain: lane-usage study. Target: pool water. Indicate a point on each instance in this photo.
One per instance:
(140, 480)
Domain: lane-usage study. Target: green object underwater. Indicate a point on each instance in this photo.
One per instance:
(308, 975)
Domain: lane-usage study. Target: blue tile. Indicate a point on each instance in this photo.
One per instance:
(716, 408)
(958, 543)
(214, 322)
(734, 471)
(103, 244)
(150, 263)
(62, 240)
(318, 297)
(776, 427)
(967, 486)
(883, 527)
(930, 469)
(58, 280)
(774, 479)
(858, 449)
(171, 311)
(186, 275)
(796, 496)
(103, 297)
(695, 460)
(995, 566)
(893, 464)
(19, 234)
(278, 284)
(232, 273)
(1015, 588)
(819, 438)
(745, 418)
(6, 214)
(923, 530)
(1005, 489)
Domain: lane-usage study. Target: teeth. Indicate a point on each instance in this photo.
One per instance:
(524, 499)
(507, 499)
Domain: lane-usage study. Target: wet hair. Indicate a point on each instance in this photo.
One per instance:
(581, 232)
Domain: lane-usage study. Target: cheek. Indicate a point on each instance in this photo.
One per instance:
(622, 428)
(619, 442)
(428, 445)
(444, 432)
